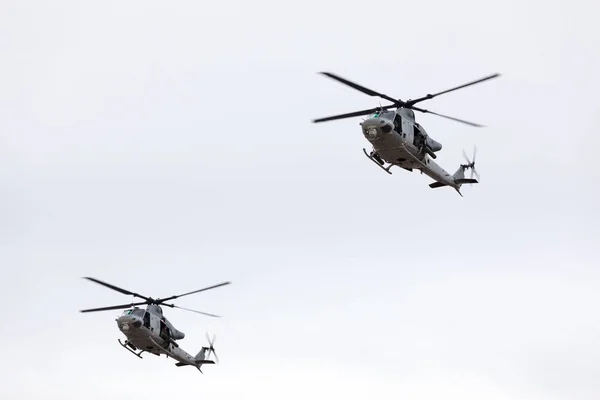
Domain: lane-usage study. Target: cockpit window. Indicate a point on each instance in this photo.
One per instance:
(382, 114)
(138, 312)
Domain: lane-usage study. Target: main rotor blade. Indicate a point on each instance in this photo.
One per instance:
(448, 117)
(122, 306)
(360, 88)
(352, 114)
(159, 301)
(431, 96)
(118, 289)
(189, 309)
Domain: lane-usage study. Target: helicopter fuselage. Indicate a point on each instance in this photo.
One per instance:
(146, 330)
(398, 140)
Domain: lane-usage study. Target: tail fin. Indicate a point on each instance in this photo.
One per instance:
(459, 176)
(460, 173)
(200, 358)
(465, 180)
(201, 354)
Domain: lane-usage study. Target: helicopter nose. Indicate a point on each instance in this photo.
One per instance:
(128, 322)
(373, 127)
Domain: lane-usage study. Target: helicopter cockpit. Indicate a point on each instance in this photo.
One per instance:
(137, 312)
(140, 313)
(383, 114)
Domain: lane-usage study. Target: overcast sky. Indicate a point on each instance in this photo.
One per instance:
(167, 146)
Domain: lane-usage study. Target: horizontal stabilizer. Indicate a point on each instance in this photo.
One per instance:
(462, 181)
(199, 362)
(437, 185)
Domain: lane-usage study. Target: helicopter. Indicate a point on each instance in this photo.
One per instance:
(398, 140)
(150, 331)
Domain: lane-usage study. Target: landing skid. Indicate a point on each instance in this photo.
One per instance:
(386, 169)
(125, 346)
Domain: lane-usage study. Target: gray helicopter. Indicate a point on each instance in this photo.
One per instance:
(150, 331)
(400, 141)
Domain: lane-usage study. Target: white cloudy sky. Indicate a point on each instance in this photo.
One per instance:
(167, 146)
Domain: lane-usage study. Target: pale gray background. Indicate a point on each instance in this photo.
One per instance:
(166, 146)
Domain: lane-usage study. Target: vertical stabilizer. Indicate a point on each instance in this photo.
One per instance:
(201, 354)
(460, 173)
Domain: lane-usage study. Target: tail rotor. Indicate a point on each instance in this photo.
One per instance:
(471, 164)
(211, 348)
